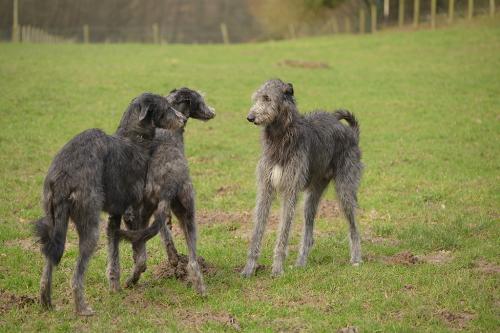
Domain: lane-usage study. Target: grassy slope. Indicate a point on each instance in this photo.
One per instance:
(428, 103)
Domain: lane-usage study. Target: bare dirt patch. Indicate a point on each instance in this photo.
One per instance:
(456, 320)
(212, 216)
(405, 258)
(348, 329)
(328, 209)
(486, 267)
(437, 258)
(10, 300)
(197, 319)
(304, 64)
(259, 268)
(179, 272)
(27, 244)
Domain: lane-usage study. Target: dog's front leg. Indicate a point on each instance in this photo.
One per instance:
(289, 200)
(264, 200)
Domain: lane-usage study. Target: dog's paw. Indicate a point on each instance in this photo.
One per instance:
(85, 311)
(248, 271)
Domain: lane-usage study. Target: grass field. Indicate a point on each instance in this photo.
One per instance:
(429, 107)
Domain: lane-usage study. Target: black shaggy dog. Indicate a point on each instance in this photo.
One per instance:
(97, 172)
(168, 187)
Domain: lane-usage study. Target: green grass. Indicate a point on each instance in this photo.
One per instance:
(429, 107)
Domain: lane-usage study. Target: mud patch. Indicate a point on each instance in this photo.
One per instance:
(10, 300)
(405, 258)
(304, 64)
(486, 267)
(197, 319)
(348, 329)
(179, 272)
(456, 320)
(437, 258)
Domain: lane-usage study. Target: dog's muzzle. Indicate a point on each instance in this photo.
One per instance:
(251, 118)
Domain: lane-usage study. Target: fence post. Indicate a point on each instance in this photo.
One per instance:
(470, 10)
(401, 14)
(291, 30)
(15, 21)
(373, 8)
(86, 33)
(335, 25)
(347, 23)
(362, 21)
(416, 13)
(156, 33)
(492, 8)
(433, 14)
(451, 10)
(224, 32)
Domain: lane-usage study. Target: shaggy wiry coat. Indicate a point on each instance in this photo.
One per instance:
(168, 187)
(301, 153)
(97, 172)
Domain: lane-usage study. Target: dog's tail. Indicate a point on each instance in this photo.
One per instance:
(142, 235)
(51, 231)
(350, 118)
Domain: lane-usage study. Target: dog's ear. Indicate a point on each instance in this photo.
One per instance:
(288, 89)
(172, 91)
(144, 111)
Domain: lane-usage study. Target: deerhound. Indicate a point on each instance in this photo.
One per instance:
(301, 153)
(97, 172)
(168, 186)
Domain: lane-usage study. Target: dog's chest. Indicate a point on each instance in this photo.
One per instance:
(276, 176)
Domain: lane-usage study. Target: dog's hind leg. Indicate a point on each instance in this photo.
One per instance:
(113, 252)
(312, 199)
(264, 200)
(139, 248)
(88, 232)
(346, 185)
(168, 241)
(287, 213)
(185, 212)
(46, 284)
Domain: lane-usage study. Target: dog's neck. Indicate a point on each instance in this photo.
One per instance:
(281, 137)
(133, 130)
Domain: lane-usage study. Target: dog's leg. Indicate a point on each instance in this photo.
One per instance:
(264, 200)
(168, 241)
(88, 233)
(312, 199)
(287, 213)
(113, 252)
(46, 285)
(186, 215)
(346, 187)
(139, 253)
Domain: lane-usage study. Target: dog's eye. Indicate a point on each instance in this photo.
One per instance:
(266, 98)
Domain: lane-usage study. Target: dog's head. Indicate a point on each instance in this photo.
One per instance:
(273, 100)
(191, 104)
(156, 111)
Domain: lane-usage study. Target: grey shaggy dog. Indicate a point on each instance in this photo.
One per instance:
(168, 187)
(97, 172)
(301, 153)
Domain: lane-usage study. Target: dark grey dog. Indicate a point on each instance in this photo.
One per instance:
(301, 153)
(97, 172)
(168, 187)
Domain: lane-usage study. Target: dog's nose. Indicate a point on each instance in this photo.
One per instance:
(251, 118)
